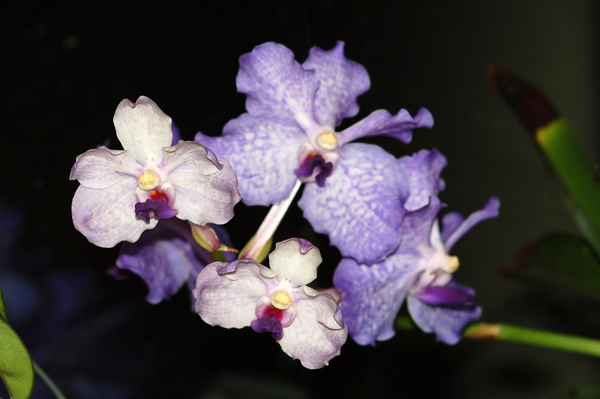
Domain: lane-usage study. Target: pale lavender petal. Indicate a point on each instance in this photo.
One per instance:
(381, 122)
(264, 155)
(189, 155)
(163, 260)
(176, 134)
(417, 226)
(325, 307)
(100, 168)
(450, 222)
(423, 170)
(229, 300)
(341, 82)
(205, 188)
(295, 261)
(449, 237)
(107, 216)
(277, 85)
(360, 207)
(310, 341)
(447, 323)
(373, 295)
(143, 129)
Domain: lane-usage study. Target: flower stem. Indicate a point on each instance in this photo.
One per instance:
(527, 336)
(255, 247)
(42, 374)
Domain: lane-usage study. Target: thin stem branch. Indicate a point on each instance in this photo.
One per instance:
(42, 374)
(268, 226)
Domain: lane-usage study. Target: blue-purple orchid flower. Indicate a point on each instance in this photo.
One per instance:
(125, 192)
(307, 324)
(288, 135)
(166, 258)
(420, 270)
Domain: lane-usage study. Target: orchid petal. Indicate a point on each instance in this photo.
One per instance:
(163, 261)
(275, 84)
(423, 170)
(447, 323)
(229, 300)
(360, 207)
(296, 261)
(373, 295)
(264, 154)
(143, 129)
(310, 341)
(341, 82)
(206, 188)
(107, 216)
(381, 122)
(189, 154)
(325, 307)
(101, 167)
(490, 210)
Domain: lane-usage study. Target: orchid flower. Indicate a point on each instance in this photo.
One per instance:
(288, 134)
(419, 271)
(125, 192)
(307, 324)
(166, 258)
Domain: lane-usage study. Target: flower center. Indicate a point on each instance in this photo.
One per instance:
(452, 265)
(327, 141)
(281, 300)
(148, 181)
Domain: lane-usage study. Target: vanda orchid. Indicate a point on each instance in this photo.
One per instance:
(420, 269)
(288, 135)
(124, 192)
(307, 324)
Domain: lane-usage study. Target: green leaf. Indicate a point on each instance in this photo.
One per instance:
(562, 260)
(584, 392)
(2, 306)
(16, 367)
(559, 147)
(574, 170)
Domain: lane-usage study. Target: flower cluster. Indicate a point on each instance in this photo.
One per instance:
(420, 269)
(307, 324)
(379, 211)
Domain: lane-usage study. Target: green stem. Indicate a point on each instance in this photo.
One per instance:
(528, 336)
(48, 381)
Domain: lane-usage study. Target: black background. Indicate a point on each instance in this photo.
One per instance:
(66, 65)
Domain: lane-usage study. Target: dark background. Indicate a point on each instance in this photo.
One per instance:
(65, 67)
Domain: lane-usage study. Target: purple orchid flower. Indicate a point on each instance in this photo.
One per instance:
(307, 324)
(125, 192)
(420, 270)
(289, 134)
(166, 258)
